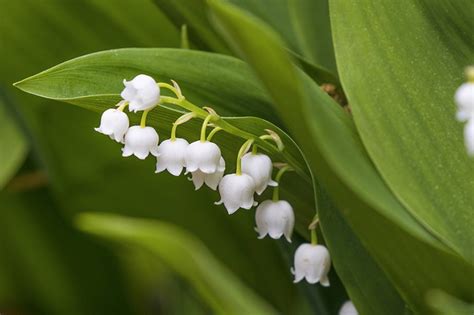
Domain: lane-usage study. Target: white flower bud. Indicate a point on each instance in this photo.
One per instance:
(142, 93)
(171, 156)
(464, 98)
(211, 180)
(275, 218)
(469, 136)
(260, 167)
(113, 123)
(313, 263)
(140, 141)
(348, 308)
(237, 192)
(204, 156)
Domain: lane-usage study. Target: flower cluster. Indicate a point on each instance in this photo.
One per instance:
(464, 98)
(203, 160)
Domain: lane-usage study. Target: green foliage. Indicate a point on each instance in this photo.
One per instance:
(13, 147)
(390, 178)
(392, 100)
(183, 253)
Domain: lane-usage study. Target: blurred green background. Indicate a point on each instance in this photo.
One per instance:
(54, 166)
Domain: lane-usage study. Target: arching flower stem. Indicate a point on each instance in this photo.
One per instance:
(276, 190)
(122, 105)
(213, 132)
(243, 149)
(312, 227)
(181, 120)
(144, 115)
(173, 89)
(204, 127)
(314, 237)
(225, 125)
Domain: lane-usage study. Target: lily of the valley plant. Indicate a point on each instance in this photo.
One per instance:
(204, 161)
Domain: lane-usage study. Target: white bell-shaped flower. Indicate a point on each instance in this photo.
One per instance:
(142, 93)
(260, 167)
(275, 218)
(170, 157)
(237, 192)
(469, 136)
(140, 141)
(464, 98)
(348, 308)
(313, 263)
(211, 180)
(113, 123)
(203, 156)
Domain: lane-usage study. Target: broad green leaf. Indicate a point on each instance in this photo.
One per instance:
(183, 253)
(47, 267)
(278, 16)
(400, 72)
(444, 304)
(387, 230)
(193, 14)
(13, 146)
(94, 81)
(310, 20)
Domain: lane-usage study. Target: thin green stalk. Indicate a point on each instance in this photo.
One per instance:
(229, 128)
(314, 237)
(204, 127)
(213, 132)
(276, 190)
(144, 115)
(122, 106)
(243, 149)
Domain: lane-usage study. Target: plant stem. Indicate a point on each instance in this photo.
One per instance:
(204, 127)
(229, 128)
(169, 87)
(314, 237)
(213, 132)
(276, 190)
(243, 149)
(122, 105)
(144, 115)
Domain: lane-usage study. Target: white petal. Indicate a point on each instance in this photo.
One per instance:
(348, 308)
(261, 218)
(198, 179)
(213, 180)
(142, 92)
(141, 141)
(172, 156)
(464, 98)
(204, 156)
(175, 170)
(259, 167)
(469, 137)
(237, 191)
(324, 281)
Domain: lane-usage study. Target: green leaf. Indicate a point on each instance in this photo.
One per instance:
(94, 81)
(400, 89)
(50, 268)
(193, 14)
(183, 253)
(444, 304)
(13, 146)
(387, 230)
(310, 20)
